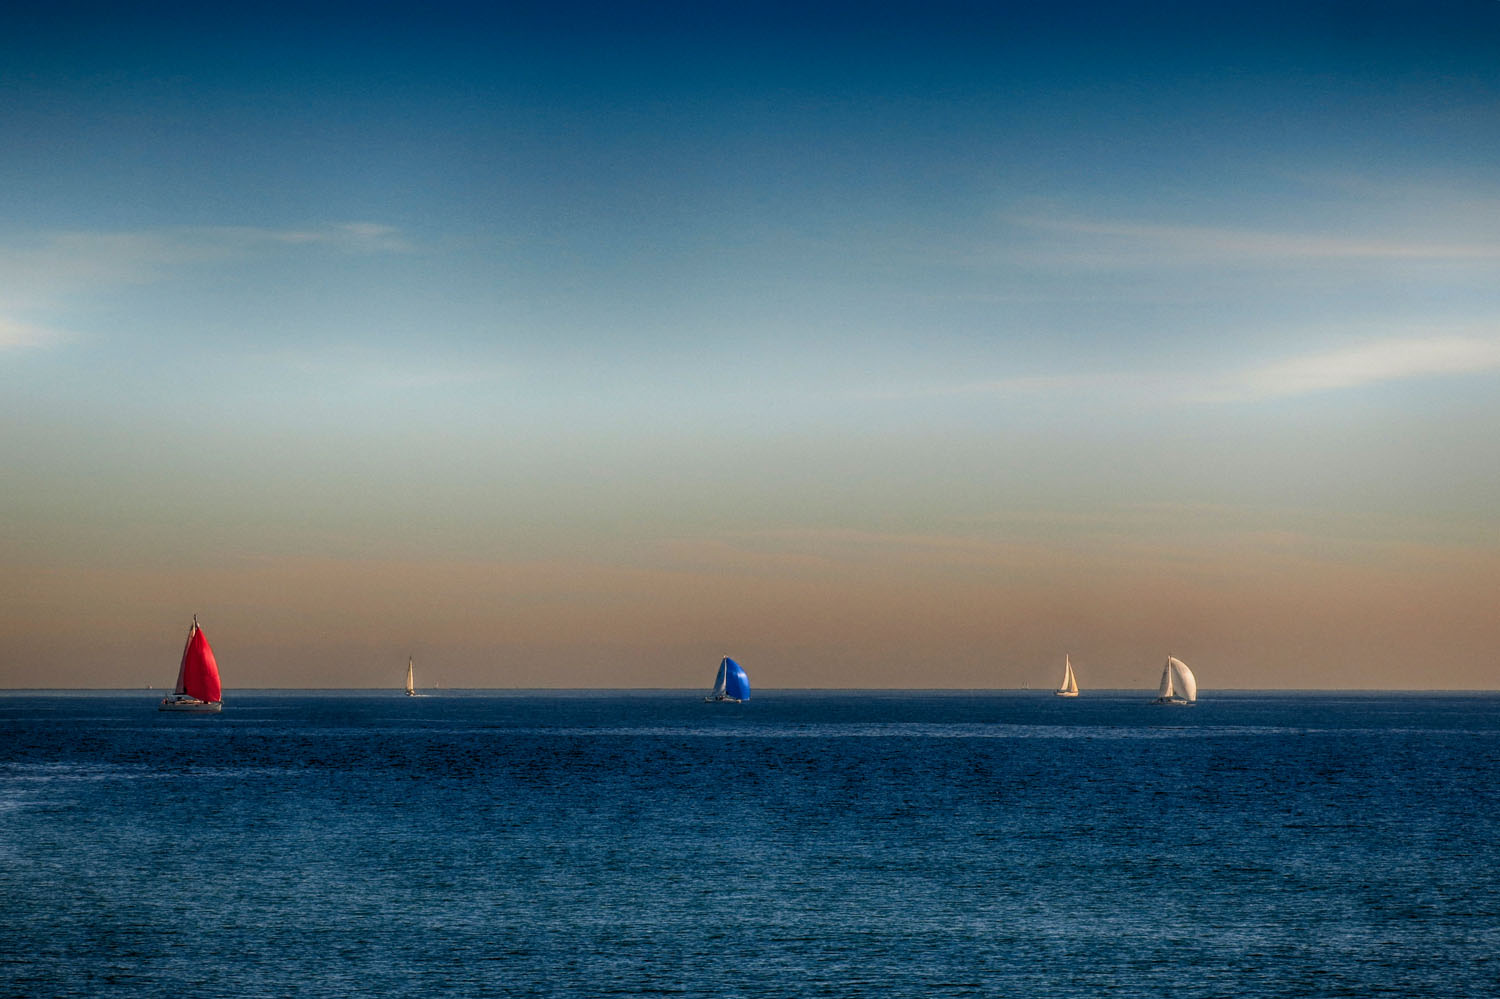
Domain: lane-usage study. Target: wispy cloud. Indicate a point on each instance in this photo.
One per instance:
(70, 258)
(1110, 241)
(1369, 362)
(1362, 364)
(40, 273)
(15, 334)
(359, 237)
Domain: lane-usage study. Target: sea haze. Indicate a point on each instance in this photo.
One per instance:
(807, 843)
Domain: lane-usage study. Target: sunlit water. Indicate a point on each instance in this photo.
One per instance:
(803, 844)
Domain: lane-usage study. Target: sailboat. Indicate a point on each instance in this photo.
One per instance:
(198, 686)
(731, 683)
(1069, 686)
(411, 690)
(1178, 685)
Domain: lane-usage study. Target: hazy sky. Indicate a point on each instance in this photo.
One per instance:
(874, 345)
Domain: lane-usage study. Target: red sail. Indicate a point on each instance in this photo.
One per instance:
(198, 676)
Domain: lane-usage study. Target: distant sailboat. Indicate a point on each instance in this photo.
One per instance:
(1178, 685)
(198, 687)
(731, 683)
(411, 690)
(1069, 686)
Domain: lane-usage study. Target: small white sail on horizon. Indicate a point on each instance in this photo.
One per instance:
(411, 689)
(1069, 686)
(1178, 685)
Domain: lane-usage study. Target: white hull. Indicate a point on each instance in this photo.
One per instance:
(1065, 693)
(190, 704)
(1174, 701)
(724, 697)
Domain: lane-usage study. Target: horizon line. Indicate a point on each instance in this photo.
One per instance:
(763, 690)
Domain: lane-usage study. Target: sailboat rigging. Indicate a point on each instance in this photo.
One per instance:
(198, 688)
(1178, 685)
(731, 683)
(1069, 686)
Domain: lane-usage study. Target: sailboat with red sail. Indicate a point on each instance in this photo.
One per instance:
(198, 686)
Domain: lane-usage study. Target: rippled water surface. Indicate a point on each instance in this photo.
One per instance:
(803, 844)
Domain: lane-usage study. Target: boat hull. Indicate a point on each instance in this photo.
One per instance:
(723, 697)
(190, 704)
(1065, 693)
(1173, 702)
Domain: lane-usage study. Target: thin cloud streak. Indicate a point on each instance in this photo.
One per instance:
(1365, 364)
(15, 334)
(47, 266)
(1373, 362)
(1133, 243)
(43, 272)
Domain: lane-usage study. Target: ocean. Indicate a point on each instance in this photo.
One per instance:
(484, 843)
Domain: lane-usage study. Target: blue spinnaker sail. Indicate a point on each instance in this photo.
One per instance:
(736, 683)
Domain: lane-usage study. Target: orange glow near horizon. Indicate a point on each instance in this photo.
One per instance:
(865, 612)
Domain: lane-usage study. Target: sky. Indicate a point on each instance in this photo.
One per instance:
(910, 346)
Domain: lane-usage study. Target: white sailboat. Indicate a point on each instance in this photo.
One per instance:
(1069, 686)
(411, 689)
(1178, 685)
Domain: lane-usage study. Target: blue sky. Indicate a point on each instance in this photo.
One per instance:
(904, 345)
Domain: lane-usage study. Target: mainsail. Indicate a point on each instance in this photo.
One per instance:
(411, 689)
(1177, 683)
(1069, 686)
(198, 675)
(730, 683)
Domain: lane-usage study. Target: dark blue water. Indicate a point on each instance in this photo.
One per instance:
(804, 844)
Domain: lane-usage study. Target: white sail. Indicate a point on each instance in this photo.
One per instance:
(410, 687)
(1165, 690)
(1069, 686)
(1182, 679)
(720, 679)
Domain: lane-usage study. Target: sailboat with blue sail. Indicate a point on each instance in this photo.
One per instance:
(731, 683)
